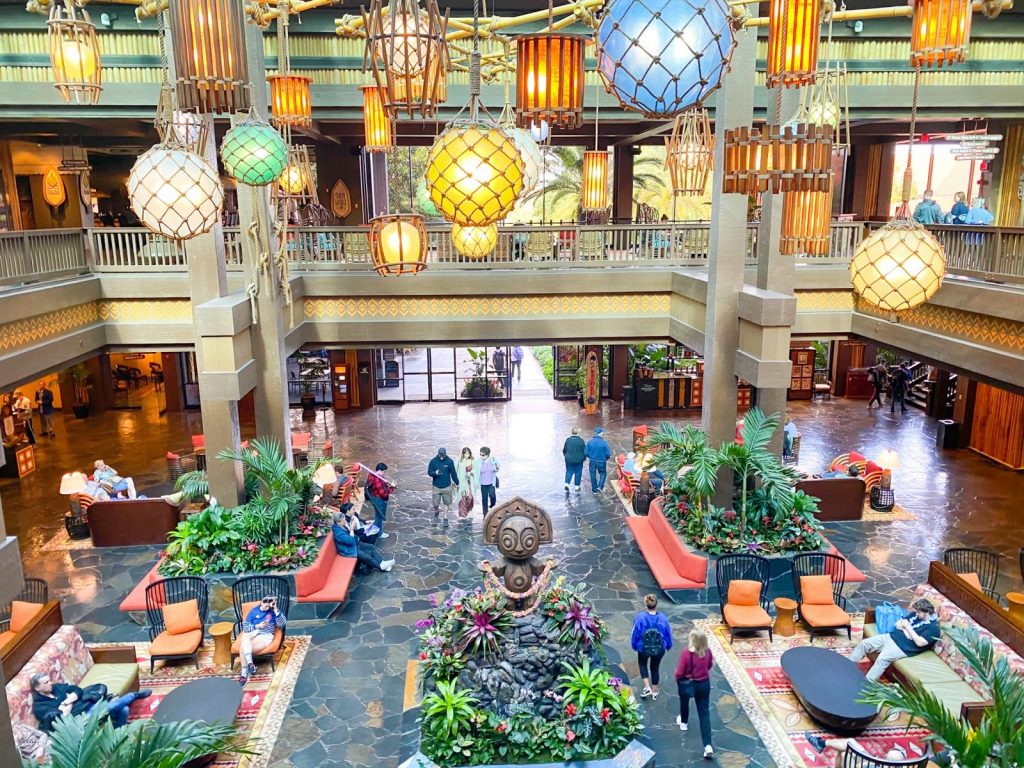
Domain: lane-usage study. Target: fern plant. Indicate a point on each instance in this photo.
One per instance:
(448, 712)
(195, 485)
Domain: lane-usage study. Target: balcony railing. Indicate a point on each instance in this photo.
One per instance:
(989, 253)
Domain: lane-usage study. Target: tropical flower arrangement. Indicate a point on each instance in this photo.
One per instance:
(596, 715)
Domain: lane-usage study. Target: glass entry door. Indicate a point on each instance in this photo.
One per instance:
(442, 374)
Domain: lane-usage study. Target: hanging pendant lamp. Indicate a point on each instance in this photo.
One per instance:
(594, 196)
(474, 242)
(793, 36)
(941, 32)
(74, 53)
(806, 223)
(253, 153)
(290, 102)
(788, 158)
(208, 55)
(549, 79)
(690, 151)
(376, 122)
(398, 243)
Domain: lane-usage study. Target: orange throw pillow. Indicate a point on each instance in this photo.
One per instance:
(972, 579)
(816, 590)
(744, 592)
(22, 613)
(180, 618)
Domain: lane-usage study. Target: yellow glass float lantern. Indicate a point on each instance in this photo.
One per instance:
(74, 53)
(898, 267)
(474, 242)
(398, 243)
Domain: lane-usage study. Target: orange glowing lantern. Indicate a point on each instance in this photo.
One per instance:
(376, 123)
(209, 55)
(549, 80)
(290, 103)
(793, 34)
(941, 33)
(594, 196)
(806, 222)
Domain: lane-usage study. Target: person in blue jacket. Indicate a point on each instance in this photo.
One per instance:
(598, 453)
(652, 636)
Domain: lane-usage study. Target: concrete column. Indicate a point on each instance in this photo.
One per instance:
(734, 107)
(622, 183)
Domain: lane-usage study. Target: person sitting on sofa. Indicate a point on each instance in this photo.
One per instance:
(51, 701)
(915, 633)
(258, 631)
(895, 753)
(111, 481)
(347, 543)
(852, 471)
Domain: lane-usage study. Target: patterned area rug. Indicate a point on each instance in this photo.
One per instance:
(266, 699)
(898, 512)
(752, 667)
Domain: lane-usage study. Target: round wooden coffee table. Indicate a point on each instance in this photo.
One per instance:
(784, 610)
(221, 634)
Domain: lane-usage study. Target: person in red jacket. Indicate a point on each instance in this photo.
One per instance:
(693, 677)
(378, 491)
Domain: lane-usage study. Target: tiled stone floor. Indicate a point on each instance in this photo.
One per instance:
(347, 708)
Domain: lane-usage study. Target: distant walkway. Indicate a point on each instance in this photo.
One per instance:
(533, 385)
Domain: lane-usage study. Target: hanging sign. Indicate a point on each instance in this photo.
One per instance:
(341, 200)
(53, 188)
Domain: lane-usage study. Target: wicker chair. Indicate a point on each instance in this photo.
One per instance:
(34, 591)
(540, 246)
(247, 593)
(165, 645)
(590, 246)
(822, 564)
(982, 564)
(855, 758)
(744, 617)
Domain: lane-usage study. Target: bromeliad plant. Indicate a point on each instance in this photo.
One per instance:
(481, 623)
(570, 613)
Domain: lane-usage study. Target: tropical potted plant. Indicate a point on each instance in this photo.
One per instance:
(478, 385)
(312, 371)
(81, 383)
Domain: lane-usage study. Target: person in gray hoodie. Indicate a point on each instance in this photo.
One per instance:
(598, 452)
(575, 452)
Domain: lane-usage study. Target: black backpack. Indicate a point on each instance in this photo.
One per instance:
(651, 642)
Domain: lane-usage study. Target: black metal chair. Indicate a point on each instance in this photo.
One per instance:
(166, 646)
(739, 617)
(34, 591)
(248, 592)
(983, 563)
(853, 757)
(822, 564)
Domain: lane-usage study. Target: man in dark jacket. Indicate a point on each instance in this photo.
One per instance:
(575, 453)
(441, 471)
(598, 452)
(51, 701)
(900, 385)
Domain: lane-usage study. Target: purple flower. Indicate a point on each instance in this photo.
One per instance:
(615, 683)
(424, 623)
(753, 546)
(433, 600)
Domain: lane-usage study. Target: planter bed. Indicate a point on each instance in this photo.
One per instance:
(636, 755)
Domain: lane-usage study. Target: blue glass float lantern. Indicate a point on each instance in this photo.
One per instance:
(661, 56)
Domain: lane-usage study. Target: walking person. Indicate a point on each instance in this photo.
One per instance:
(900, 384)
(441, 471)
(517, 362)
(693, 679)
(44, 398)
(378, 491)
(878, 376)
(575, 452)
(466, 471)
(486, 468)
(652, 636)
(598, 452)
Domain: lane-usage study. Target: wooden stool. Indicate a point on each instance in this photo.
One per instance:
(221, 634)
(784, 610)
(1015, 601)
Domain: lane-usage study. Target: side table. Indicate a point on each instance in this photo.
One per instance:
(221, 634)
(1015, 601)
(784, 610)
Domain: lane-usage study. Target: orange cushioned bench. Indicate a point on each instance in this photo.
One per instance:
(136, 600)
(327, 580)
(673, 565)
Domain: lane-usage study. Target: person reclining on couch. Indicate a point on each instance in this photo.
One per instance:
(51, 701)
(915, 633)
(895, 753)
(112, 482)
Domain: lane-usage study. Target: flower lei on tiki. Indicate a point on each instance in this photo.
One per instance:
(494, 583)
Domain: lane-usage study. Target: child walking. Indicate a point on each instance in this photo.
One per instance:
(693, 677)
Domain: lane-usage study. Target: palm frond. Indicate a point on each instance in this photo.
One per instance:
(758, 429)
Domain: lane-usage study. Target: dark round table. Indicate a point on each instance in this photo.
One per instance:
(212, 700)
(829, 686)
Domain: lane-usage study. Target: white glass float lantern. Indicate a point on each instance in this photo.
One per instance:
(175, 192)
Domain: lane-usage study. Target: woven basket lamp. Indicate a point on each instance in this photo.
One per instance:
(941, 32)
(806, 223)
(898, 267)
(594, 196)
(398, 243)
(290, 103)
(659, 57)
(793, 35)
(474, 173)
(774, 159)
(253, 153)
(690, 151)
(174, 192)
(474, 242)
(208, 55)
(549, 79)
(74, 53)
(376, 122)
(296, 182)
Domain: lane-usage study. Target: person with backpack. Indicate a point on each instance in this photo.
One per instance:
(652, 637)
(877, 375)
(900, 384)
(693, 678)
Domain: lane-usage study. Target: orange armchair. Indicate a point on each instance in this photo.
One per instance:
(742, 582)
(818, 579)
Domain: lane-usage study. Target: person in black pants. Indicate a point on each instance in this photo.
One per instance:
(878, 377)
(900, 384)
(693, 678)
(652, 636)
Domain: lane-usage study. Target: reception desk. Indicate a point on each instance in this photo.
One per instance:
(679, 393)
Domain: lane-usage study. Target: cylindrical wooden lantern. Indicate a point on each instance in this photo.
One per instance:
(74, 54)
(290, 103)
(806, 223)
(398, 243)
(549, 79)
(209, 53)
(376, 123)
(794, 28)
(689, 152)
(594, 196)
(941, 32)
(776, 159)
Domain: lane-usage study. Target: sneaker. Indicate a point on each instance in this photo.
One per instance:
(251, 670)
(242, 680)
(645, 693)
(384, 535)
(679, 721)
(437, 513)
(373, 530)
(708, 752)
(579, 488)
(446, 521)
(567, 486)
(817, 742)
(387, 565)
(145, 693)
(654, 695)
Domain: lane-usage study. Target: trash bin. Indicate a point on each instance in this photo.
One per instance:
(948, 434)
(628, 398)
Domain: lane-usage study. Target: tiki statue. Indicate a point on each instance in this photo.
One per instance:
(518, 528)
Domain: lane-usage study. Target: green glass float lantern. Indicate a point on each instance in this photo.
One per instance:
(253, 152)
(423, 202)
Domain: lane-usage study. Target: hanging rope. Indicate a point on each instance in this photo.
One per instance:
(908, 175)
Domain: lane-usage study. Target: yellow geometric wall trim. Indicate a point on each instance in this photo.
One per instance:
(146, 311)
(824, 301)
(32, 330)
(486, 306)
(959, 324)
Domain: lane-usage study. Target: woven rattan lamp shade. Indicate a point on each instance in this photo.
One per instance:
(74, 54)
(208, 55)
(549, 79)
(474, 173)
(689, 152)
(376, 123)
(290, 102)
(594, 196)
(793, 35)
(398, 244)
(941, 32)
(776, 159)
(806, 223)
(474, 242)
(175, 193)
(899, 267)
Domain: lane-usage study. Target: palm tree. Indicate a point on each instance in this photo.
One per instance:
(998, 741)
(687, 449)
(90, 740)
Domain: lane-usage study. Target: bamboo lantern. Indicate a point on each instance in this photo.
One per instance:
(549, 79)
(209, 55)
(689, 152)
(398, 243)
(74, 54)
(407, 55)
(774, 159)
(941, 32)
(594, 196)
(290, 103)
(376, 123)
(296, 182)
(793, 35)
(806, 223)
(474, 242)
(898, 267)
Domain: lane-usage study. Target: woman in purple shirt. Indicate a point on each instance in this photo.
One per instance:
(486, 470)
(693, 678)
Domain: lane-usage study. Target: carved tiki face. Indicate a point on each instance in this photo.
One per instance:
(518, 538)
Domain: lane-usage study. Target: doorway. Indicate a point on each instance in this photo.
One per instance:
(442, 374)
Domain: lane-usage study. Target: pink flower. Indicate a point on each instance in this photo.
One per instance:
(570, 736)
(423, 655)
(501, 727)
(606, 715)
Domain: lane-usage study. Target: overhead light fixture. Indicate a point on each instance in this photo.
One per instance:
(806, 222)
(689, 152)
(209, 55)
(941, 32)
(549, 79)
(540, 132)
(376, 122)
(253, 152)
(74, 53)
(175, 192)
(398, 243)
(474, 242)
(794, 31)
(296, 182)
(774, 158)
(594, 196)
(290, 102)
